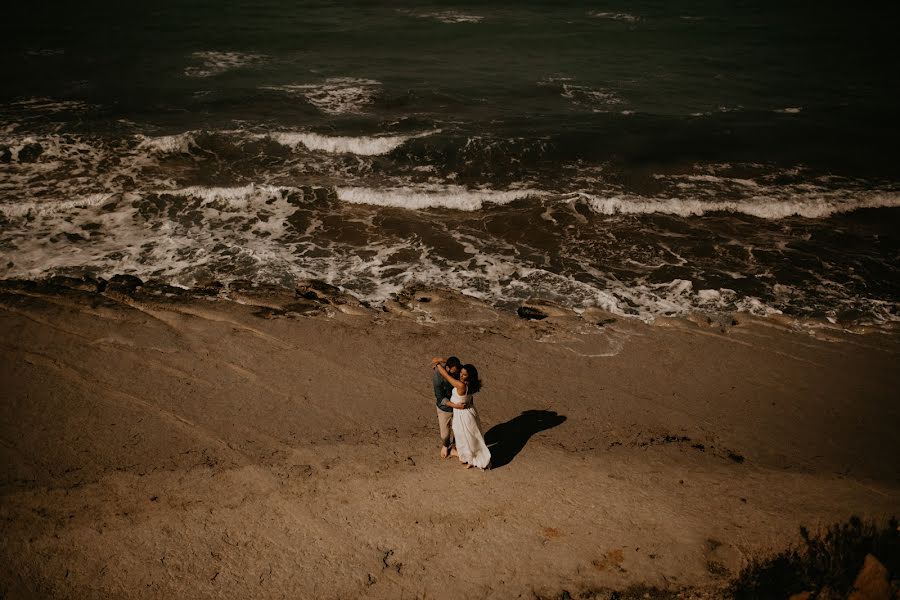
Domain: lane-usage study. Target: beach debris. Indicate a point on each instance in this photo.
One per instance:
(389, 563)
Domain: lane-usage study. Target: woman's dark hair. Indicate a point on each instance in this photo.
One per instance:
(473, 386)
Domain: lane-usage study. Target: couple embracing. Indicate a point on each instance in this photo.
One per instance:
(455, 385)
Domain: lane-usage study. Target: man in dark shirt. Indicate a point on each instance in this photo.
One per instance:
(442, 391)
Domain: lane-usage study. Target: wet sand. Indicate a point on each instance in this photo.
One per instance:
(165, 444)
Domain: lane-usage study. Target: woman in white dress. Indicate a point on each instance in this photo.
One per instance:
(470, 446)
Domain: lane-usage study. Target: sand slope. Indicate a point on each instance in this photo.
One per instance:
(182, 447)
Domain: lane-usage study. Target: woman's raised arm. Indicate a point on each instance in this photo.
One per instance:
(456, 383)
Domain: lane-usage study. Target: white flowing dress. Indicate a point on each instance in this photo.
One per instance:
(470, 443)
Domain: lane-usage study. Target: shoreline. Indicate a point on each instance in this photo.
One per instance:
(294, 299)
(283, 442)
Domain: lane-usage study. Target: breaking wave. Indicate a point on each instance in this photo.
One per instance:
(434, 196)
(359, 145)
(216, 63)
(336, 95)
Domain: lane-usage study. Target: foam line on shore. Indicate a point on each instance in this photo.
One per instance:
(816, 207)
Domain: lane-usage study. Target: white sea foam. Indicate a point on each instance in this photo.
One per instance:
(596, 98)
(712, 179)
(216, 63)
(444, 16)
(44, 208)
(815, 207)
(360, 145)
(585, 95)
(51, 106)
(45, 169)
(337, 95)
(168, 144)
(436, 196)
(790, 110)
(614, 16)
(237, 197)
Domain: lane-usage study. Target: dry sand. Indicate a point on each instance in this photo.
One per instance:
(178, 446)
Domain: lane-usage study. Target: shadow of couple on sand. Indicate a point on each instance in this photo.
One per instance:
(506, 440)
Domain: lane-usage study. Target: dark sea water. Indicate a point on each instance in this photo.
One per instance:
(650, 158)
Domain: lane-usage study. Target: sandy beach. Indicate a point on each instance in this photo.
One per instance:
(159, 443)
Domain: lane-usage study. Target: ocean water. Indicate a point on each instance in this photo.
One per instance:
(650, 158)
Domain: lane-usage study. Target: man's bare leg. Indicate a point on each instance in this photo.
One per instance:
(445, 420)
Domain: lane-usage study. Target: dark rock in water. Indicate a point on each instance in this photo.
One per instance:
(160, 291)
(847, 318)
(318, 290)
(5, 154)
(74, 237)
(211, 288)
(82, 284)
(30, 152)
(241, 285)
(18, 284)
(423, 299)
(256, 289)
(530, 313)
(124, 284)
